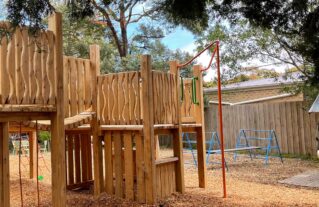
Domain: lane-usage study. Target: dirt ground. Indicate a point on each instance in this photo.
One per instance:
(249, 183)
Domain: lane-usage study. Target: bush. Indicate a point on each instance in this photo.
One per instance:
(44, 135)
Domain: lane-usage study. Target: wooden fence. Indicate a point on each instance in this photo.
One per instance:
(78, 85)
(27, 74)
(296, 129)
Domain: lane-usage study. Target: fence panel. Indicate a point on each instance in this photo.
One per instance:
(295, 127)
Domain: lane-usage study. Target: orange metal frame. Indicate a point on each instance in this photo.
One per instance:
(220, 109)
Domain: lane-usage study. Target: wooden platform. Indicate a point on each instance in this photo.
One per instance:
(69, 123)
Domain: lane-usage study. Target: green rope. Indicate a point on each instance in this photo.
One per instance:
(194, 97)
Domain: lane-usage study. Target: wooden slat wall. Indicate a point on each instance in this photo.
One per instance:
(27, 68)
(295, 127)
(165, 105)
(78, 85)
(124, 164)
(165, 180)
(119, 101)
(189, 109)
(79, 160)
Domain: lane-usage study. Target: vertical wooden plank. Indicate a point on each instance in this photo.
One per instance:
(18, 73)
(158, 182)
(80, 83)
(4, 165)
(88, 84)
(84, 157)
(101, 99)
(4, 88)
(57, 121)
(283, 121)
(38, 71)
(278, 125)
(66, 84)
(177, 135)
(12, 99)
(301, 129)
(44, 80)
(25, 66)
(108, 153)
(97, 144)
(70, 159)
(148, 129)
(90, 158)
(77, 158)
(73, 87)
(118, 164)
(140, 176)
(129, 170)
(295, 127)
(201, 141)
(33, 86)
(289, 127)
(33, 153)
(307, 129)
(50, 68)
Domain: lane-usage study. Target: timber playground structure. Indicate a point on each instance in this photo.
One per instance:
(121, 114)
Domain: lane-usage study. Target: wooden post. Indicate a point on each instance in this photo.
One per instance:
(33, 153)
(57, 120)
(199, 117)
(4, 165)
(97, 144)
(177, 136)
(148, 129)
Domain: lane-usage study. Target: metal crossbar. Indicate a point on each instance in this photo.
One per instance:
(244, 141)
(214, 140)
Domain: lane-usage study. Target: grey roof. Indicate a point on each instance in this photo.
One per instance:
(292, 78)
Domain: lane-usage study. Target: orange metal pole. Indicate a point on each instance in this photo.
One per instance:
(220, 112)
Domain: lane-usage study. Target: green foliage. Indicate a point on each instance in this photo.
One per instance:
(294, 23)
(28, 12)
(44, 136)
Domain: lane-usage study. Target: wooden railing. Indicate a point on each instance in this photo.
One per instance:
(164, 93)
(120, 102)
(119, 98)
(27, 68)
(78, 85)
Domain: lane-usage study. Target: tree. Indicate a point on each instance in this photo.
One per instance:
(115, 16)
(295, 20)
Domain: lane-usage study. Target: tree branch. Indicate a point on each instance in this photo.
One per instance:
(110, 26)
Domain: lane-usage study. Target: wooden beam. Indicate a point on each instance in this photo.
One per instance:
(148, 132)
(201, 145)
(33, 153)
(177, 134)
(57, 122)
(25, 116)
(4, 165)
(97, 142)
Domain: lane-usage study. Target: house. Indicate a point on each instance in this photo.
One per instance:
(256, 91)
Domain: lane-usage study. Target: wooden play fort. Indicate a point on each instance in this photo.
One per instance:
(104, 128)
